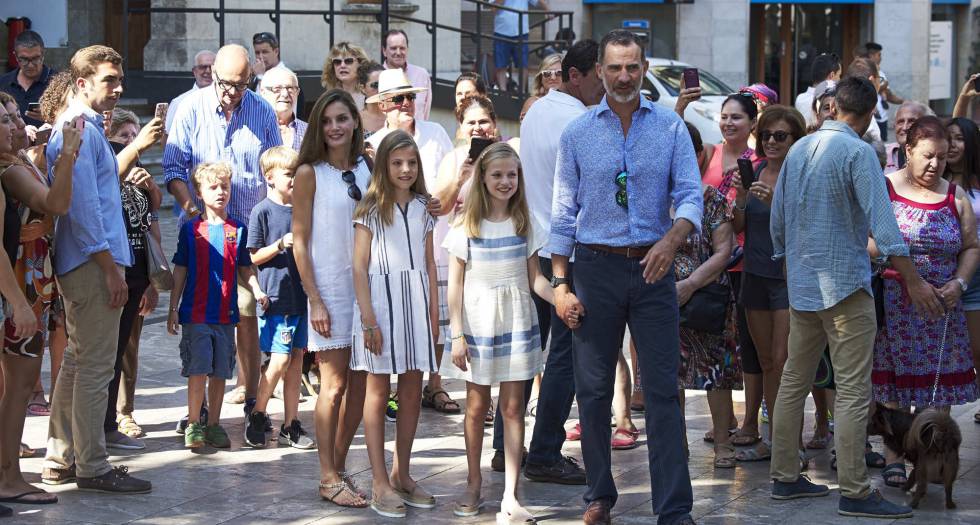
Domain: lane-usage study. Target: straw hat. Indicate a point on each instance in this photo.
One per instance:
(393, 82)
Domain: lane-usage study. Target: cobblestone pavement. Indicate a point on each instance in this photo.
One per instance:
(279, 484)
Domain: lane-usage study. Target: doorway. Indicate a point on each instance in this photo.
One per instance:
(787, 37)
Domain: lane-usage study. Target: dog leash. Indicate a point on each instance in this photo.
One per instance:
(939, 363)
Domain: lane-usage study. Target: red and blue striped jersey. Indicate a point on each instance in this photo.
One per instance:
(212, 254)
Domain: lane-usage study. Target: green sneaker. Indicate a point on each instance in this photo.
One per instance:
(194, 436)
(216, 436)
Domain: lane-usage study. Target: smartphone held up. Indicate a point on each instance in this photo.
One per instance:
(746, 172)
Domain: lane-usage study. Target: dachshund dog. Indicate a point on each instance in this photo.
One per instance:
(930, 440)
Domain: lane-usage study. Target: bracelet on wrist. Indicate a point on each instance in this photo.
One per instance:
(460, 336)
(370, 328)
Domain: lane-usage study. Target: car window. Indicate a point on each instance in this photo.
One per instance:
(649, 90)
(671, 78)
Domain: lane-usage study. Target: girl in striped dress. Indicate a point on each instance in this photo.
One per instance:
(394, 286)
(493, 323)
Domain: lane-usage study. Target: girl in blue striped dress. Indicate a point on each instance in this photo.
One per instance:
(493, 323)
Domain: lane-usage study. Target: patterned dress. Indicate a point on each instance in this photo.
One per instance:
(907, 348)
(708, 361)
(400, 293)
(500, 322)
(33, 270)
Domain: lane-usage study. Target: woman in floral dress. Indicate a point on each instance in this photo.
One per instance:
(938, 224)
(710, 361)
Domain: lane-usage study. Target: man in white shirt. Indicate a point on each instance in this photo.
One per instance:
(203, 61)
(509, 24)
(399, 100)
(826, 66)
(396, 57)
(541, 132)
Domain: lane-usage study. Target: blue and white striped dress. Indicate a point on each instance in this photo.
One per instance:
(399, 294)
(500, 322)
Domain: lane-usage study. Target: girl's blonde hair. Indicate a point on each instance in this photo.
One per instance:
(477, 204)
(208, 172)
(380, 197)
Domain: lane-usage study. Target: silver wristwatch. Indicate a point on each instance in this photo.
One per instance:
(963, 285)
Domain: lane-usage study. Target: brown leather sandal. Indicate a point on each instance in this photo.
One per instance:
(439, 401)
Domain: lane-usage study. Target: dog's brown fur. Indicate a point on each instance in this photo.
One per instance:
(930, 440)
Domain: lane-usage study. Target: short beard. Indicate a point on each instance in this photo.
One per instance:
(621, 99)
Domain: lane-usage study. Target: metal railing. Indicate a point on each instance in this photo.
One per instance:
(384, 16)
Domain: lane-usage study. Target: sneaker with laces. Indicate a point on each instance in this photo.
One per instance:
(118, 440)
(872, 506)
(295, 436)
(249, 406)
(565, 471)
(194, 435)
(391, 411)
(255, 430)
(216, 436)
(116, 481)
(801, 488)
(182, 424)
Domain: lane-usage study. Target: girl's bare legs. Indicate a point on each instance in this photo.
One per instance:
(375, 398)
(636, 400)
(770, 333)
(18, 379)
(351, 411)
(621, 395)
(477, 404)
(511, 402)
(332, 365)
(409, 406)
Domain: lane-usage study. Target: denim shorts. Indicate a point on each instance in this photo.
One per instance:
(971, 299)
(281, 334)
(207, 349)
(506, 52)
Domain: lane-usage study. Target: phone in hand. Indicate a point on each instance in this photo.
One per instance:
(976, 84)
(746, 172)
(42, 136)
(161, 110)
(33, 106)
(477, 145)
(79, 124)
(691, 78)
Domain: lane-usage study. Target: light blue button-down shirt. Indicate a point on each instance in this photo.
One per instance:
(201, 133)
(662, 170)
(829, 196)
(94, 222)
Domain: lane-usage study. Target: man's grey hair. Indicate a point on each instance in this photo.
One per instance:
(202, 53)
(276, 71)
(915, 105)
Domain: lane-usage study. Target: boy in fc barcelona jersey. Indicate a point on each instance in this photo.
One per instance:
(210, 256)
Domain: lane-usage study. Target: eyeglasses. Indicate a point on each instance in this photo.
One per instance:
(373, 85)
(265, 37)
(780, 136)
(551, 73)
(621, 198)
(346, 61)
(24, 61)
(292, 90)
(352, 190)
(204, 67)
(398, 99)
(224, 85)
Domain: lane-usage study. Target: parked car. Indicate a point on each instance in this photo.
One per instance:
(662, 84)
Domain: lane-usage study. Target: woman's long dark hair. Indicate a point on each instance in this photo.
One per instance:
(314, 149)
(971, 153)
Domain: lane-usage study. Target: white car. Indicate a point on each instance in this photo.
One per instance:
(662, 84)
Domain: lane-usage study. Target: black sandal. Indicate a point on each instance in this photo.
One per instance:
(894, 470)
(445, 404)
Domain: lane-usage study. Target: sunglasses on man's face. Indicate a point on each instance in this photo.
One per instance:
(398, 99)
(347, 61)
(373, 85)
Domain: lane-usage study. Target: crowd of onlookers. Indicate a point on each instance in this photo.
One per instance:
(369, 241)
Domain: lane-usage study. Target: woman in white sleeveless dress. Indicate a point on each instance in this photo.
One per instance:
(332, 177)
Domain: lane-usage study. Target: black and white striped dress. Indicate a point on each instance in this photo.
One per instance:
(399, 293)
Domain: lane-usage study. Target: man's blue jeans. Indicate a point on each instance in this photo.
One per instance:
(614, 294)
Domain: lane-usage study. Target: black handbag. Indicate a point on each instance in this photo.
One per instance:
(706, 311)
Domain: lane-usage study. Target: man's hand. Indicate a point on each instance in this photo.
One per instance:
(115, 281)
(658, 260)
(258, 67)
(925, 298)
(569, 309)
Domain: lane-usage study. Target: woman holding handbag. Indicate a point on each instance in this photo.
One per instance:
(709, 353)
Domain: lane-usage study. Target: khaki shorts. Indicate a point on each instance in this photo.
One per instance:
(246, 300)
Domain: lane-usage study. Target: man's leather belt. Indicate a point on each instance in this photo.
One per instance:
(630, 252)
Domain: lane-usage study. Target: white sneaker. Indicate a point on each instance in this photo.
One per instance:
(118, 440)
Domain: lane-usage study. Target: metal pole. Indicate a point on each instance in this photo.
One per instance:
(332, 21)
(479, 43)
(278, 22)
(384, 27)
(125, 35)
(221, 23)
(435, 73)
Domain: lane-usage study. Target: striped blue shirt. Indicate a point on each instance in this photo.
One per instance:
(201, 133)
(661, 168)
(829, 195)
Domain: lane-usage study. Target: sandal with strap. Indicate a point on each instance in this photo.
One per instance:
(818, 442)
(38, 406)
(709, 436)
(488, 419)
(892, 471)
(725, 456)
(753, 454)
(439, 400)
(127, 425)
(743, 439)
(342, 495)
(349, 480)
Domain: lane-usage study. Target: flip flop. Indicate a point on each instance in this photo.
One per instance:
(894, 470)
(727, 459)
(709, 436)
(26, 498)
(753, 454)
(745, 440)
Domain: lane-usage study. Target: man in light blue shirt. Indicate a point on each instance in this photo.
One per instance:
(511, 24)
(829, 196)
(90, 250)
(621, 166)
